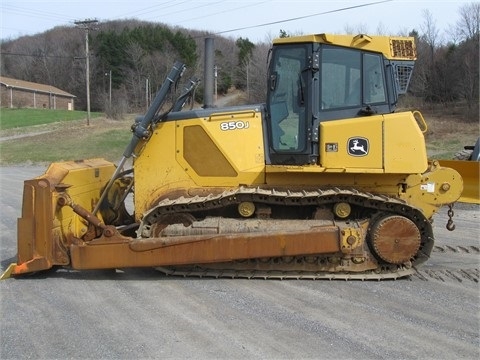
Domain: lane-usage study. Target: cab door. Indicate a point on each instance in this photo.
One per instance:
(289, 122)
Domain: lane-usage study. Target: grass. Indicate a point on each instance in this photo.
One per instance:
(19, 118)
(58, 137)
(71, 139)
(109, 145)
(447, 135)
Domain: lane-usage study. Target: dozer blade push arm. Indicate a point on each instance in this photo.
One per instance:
(141, 128)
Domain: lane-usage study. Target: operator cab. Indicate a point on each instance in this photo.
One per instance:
(319, 78)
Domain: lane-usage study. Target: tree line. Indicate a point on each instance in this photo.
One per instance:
(129, 60)
(447, 72)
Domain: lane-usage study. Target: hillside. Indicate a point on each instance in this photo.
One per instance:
(129, 60)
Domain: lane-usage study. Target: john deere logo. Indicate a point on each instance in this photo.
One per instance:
(357, 146)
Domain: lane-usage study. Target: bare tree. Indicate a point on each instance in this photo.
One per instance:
(381, 29)
(429, 29)
(468, 26)
(135, 75)
(355, 29)
(430, 37)
(468, 30)
(258, 74)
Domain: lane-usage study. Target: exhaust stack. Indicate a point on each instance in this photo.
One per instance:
(208, 72)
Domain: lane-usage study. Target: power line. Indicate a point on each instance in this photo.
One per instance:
(194, 8)
(144, 11)
(31, 13)
(40, 55)
(301, 17)
(44, 14)
(224, 11)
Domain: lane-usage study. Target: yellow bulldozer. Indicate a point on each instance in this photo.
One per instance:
(323, 180)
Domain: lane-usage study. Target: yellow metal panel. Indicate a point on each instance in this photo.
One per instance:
(405, 150)
(353, 145)
(210, 161)
(170, 165)
(393, 47)
(84, 181)
(156, 170)
(294, 169)
(436, 187)
(232, 137)
(470, 173)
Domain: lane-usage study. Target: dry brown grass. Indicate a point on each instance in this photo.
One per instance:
(447, 134)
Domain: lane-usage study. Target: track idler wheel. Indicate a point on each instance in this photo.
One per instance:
(395, 239)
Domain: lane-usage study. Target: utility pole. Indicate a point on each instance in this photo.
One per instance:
(146, 93)
(109, 74)
(215, 69)
(86, 24)
(208, 73)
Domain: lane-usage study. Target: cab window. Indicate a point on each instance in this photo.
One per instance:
(351, 78)
(341, 78)
(374, 82)
(288, 99)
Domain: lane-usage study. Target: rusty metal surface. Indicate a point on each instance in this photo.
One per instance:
(36, 249)
(296, 199)
(42, 239)
(395, 239)
(219, 225)
(320, 245)
(203, 249)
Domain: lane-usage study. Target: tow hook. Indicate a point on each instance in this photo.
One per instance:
(450, 225)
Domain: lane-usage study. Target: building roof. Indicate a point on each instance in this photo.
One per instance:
(31, 86)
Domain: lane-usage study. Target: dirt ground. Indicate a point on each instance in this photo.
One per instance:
(141, 313)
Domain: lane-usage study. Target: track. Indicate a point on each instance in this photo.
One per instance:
(293, 203)
(461, 275)
(282, 275)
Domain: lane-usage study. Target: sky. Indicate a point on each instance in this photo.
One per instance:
(257, 20)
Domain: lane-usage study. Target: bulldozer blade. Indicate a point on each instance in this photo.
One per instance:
(45, 228)
(470, 172)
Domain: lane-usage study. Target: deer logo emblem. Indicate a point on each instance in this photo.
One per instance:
(357, 146)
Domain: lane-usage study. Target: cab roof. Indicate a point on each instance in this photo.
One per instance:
(392, 47)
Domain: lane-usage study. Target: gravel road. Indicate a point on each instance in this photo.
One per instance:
(143, 314)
